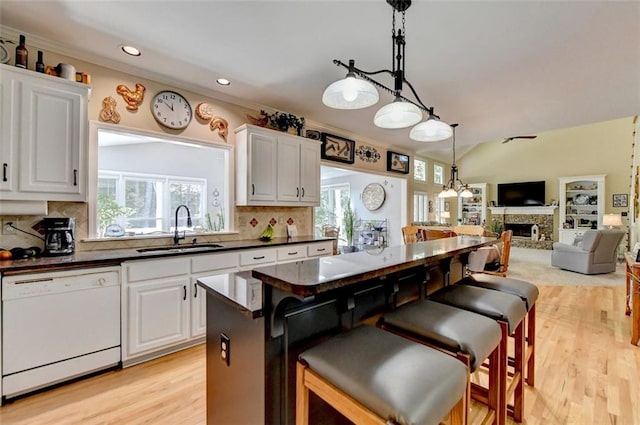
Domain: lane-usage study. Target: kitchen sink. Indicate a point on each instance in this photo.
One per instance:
(183, 248)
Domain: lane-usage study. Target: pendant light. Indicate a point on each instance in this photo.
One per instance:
(358, 90)
(455, 187)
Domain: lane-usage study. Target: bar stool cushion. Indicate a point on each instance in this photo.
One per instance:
(494, 304)
(397, 379)
(451, 328)
(528, 292)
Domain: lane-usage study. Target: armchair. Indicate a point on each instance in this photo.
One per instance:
(596, 253)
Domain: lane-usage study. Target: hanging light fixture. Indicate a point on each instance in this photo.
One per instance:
(358, 90)
(455, 187)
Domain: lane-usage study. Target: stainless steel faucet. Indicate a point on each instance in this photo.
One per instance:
(176, 235)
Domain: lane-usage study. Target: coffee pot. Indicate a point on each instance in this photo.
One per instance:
(58, 235)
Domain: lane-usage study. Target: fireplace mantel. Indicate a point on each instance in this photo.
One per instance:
(534, 210)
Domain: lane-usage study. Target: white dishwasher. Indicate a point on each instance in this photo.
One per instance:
(57, 326)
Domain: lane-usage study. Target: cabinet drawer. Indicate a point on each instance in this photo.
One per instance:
(257, 256)
(210, 262)
(318, 249)
(292, 252)
(156, 269)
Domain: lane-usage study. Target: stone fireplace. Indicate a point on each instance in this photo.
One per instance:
(521, 219)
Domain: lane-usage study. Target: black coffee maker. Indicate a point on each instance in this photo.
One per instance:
(58, 235)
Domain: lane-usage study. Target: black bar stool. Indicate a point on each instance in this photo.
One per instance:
(468, 336)
(528, 293)
(375, 377)
(509, 311)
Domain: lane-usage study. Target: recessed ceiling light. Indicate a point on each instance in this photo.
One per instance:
(223, 81)
(130, 50)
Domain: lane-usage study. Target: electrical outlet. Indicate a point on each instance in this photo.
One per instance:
(6, 230)
(225, 349)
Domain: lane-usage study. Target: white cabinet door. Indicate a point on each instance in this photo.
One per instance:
(49, 131)
(9, 88)
(310, 173)
(288, 169)
(158, 315)
(198, 310)
(262, 167)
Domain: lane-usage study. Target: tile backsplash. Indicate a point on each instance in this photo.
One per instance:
(249, 223)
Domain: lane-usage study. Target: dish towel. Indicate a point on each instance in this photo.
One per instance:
(482, 256)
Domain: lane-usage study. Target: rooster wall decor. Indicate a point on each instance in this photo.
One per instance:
(133, 97)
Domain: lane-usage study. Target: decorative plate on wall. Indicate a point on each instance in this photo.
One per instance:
(373, 196)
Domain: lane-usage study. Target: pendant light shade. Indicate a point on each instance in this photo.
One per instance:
(361, 92)
(350, 93)
(398, 114)
(431, 130)
(466, 193)
(448, 193)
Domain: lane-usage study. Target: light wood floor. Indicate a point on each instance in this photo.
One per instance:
(587, 373)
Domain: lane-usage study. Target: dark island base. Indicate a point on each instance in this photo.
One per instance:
(263, 351)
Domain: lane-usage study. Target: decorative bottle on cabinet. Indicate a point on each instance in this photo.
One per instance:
(22, 54)
(40, 62)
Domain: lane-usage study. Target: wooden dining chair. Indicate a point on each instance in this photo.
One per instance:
(410, 234)
(469, 229)
(431, 234)
(331, 231)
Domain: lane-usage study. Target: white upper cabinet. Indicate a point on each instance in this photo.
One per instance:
(298, 171)
(44, 133)
(274, 168)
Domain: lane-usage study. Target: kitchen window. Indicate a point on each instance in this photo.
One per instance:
(438, 174)
(143, 204)
(139, 178)
(420, 170)
(420, 206)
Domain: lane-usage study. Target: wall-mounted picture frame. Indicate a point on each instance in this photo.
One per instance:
(312, 134)
(447, 206)
(397, 162)
(620, 200)
(336, 148)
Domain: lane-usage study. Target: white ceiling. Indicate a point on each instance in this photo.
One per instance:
(500, 69)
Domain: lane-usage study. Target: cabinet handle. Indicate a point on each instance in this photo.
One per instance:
(253, 189)
(292, 253)
(297, 192)
(75, 177)
(195, 290)
(184, 297)
(4, 172)
(258, 258)
(321, 249)
(303, 192)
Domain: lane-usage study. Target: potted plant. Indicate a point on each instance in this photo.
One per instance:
(283, 122)
(348, 220)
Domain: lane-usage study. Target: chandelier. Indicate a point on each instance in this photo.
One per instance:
(358, 90)
(454, 186)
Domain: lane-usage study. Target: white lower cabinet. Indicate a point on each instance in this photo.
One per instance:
(158, 314)
(163, 309)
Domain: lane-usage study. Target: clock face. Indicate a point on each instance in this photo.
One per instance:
(171, 109)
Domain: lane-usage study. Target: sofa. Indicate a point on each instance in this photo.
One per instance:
(595, 253)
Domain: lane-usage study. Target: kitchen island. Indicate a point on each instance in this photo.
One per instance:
(258, 323)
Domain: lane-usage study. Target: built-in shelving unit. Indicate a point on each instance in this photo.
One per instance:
(474, 210)
(581, 205)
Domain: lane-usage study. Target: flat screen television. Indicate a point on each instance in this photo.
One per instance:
(521, 194)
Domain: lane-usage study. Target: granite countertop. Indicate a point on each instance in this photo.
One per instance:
(310, 277)
(117, 256)
(237, 289)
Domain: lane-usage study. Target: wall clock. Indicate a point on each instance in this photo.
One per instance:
(373, 196)
(171, 110)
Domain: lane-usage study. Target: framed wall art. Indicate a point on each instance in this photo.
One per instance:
(397, 162)
(620, 200)
(336, 148)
